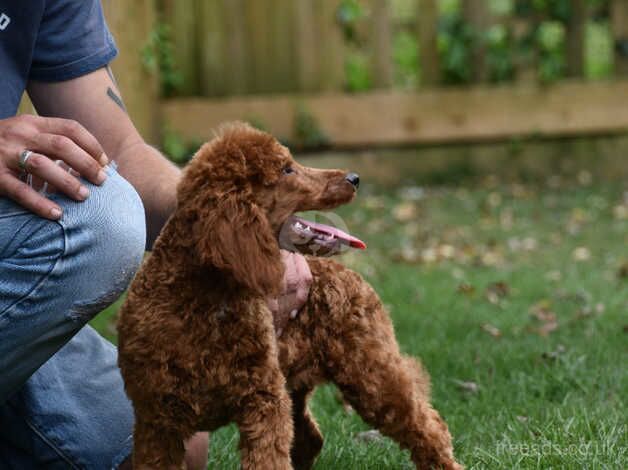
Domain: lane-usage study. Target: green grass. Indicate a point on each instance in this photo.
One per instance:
(542, 401)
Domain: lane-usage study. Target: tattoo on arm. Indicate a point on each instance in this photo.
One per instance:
(111, 93)
(115, 98)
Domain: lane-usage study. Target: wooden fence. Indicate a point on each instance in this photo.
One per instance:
(282, 63)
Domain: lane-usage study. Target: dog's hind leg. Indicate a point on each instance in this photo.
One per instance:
(388, 397)
(389, 390)
(308, 440)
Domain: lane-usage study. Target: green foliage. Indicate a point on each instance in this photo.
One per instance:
(406, 59)
(348, 16)
(599, 51)
(357, 72)
(550, 38)
(158, 57)
(499, 57)
(454, 45)
(307, 129)
(541, 47)
(176, 148)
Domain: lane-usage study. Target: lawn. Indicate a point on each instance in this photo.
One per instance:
(515, 297)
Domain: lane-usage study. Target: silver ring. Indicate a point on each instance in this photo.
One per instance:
(24, 156)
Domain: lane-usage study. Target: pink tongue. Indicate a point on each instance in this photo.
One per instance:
(329, 230)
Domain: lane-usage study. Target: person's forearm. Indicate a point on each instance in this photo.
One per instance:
(155, 179)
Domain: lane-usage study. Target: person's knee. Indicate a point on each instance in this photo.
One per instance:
(106, 242)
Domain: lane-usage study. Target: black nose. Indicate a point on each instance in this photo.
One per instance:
(354, 179)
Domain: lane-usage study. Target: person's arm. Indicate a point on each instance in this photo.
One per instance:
(95, 101)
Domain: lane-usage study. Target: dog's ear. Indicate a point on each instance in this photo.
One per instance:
(234, 235)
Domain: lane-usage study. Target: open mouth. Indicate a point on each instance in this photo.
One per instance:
(315, 238)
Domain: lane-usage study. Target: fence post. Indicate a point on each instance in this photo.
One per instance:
(283, 46)
(381, 53)
(236, 49)
(478, 16)
(575, 38)
(307, 46)
(131, 24)
(331, 49)
(212, 39)
(619, 21)
(427, 23)
(181, 18)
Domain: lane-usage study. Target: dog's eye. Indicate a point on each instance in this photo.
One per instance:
(288, 170)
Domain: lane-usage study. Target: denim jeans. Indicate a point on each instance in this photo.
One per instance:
(62, 400)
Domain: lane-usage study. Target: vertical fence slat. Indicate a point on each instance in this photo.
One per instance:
(283, 47)
(380, 44)
(575, 38)
(236, 51)
(427, 25)
(525, 63)
(478, 16)
(331, 49)
(257, 17)
(139, 86)
(180, 16)
(307, 46)
(619, 20)
(212, 36)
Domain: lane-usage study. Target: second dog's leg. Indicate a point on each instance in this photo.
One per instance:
(308, 440)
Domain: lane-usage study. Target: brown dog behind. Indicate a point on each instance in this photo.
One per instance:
(196, 341)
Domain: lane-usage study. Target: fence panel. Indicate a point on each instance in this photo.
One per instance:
(427, 26)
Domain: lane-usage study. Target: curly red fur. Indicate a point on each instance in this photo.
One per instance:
(197, 344)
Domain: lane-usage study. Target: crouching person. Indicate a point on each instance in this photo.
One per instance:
(81, 197)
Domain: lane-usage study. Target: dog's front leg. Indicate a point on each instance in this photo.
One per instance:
(264, 409)
(265, 422)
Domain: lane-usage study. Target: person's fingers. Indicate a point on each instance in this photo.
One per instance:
(304, 276)
(273, 305)
(289, 281)
(77, 133)
(63, 148)
(46, 170)
(27, 197)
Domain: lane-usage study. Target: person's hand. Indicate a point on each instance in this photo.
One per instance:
(295, 289)
(48, 139)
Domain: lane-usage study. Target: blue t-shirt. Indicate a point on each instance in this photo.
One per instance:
(49, 40)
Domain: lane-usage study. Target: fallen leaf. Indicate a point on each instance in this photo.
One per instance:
(581, 253)
(620, 212)
(547, 328)
(585, 178)
(560, 349)
(465, 288)
(470, 387)
(405, 211)
(542, 311)
(622, 273)
(491, 330)
(497, 291)
(372, 436)
(554, 276)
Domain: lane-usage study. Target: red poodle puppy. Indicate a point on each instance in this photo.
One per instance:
(197, 344)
